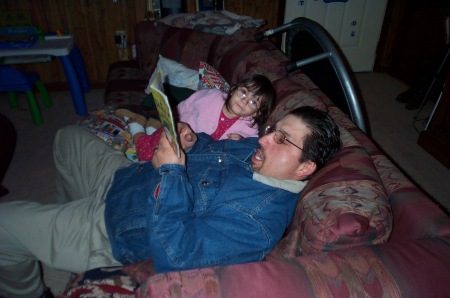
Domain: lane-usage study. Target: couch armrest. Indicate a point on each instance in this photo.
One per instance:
(416, 215)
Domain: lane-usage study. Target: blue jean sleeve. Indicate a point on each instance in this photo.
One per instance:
(185, 239)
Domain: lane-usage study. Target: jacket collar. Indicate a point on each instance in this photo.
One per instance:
(288, 185)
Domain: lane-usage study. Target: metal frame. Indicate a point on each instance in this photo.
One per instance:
(330, 52)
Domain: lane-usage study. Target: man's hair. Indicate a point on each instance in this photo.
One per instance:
(323, 141)
(261, 87)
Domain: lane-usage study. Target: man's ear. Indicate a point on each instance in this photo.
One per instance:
(305, 169)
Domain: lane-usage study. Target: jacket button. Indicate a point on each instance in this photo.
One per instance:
(219, 159)
(205, 182)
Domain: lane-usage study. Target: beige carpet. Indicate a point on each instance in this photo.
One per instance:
(396, 131)
(31, 173)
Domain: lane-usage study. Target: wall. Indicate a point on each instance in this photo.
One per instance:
(270, 10)
(94, 23)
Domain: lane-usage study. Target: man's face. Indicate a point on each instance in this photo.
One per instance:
(282, 161)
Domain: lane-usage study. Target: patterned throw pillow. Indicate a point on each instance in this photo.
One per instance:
(210, 78)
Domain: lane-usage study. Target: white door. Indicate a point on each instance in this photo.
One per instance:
(355, 25)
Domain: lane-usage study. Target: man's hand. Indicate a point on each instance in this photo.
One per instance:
(166, 153)
(187, 136)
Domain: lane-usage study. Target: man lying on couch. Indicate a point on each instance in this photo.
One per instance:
(220, 203)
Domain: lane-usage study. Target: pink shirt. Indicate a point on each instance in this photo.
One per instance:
(202, 111)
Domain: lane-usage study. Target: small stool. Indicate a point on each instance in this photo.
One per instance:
(13, 80)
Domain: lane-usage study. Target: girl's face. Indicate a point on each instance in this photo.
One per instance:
(242, 104)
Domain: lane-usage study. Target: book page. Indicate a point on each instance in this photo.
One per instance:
(164, 111)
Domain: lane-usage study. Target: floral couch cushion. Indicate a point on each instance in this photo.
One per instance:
(126, 83)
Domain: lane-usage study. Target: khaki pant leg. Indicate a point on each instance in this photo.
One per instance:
(70, 237)
(83, 162)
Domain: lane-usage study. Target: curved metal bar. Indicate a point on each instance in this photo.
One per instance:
(294, 65)
(331, 52)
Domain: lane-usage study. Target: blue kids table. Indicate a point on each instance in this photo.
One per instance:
(68, 54)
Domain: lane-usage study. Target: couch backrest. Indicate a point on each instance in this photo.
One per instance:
(189, 47)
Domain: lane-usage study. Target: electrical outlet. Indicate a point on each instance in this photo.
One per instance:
(121, 39)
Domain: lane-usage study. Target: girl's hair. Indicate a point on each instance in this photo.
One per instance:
(260, 86)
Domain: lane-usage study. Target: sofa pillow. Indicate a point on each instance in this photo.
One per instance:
(210, 78)
(343, 205)
(175, 74)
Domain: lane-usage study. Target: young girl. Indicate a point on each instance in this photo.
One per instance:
(234, 115)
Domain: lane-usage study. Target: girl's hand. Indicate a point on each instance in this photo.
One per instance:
(187, 136)
(234, 136)
(165, 153)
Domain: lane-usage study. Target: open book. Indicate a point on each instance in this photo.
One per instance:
(164, 111)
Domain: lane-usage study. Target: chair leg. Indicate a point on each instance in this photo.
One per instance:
(44, 94)
(12, 100)
(34, 108)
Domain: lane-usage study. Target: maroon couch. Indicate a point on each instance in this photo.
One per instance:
(361, 228)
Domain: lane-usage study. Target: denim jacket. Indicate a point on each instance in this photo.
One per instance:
(214, 211)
